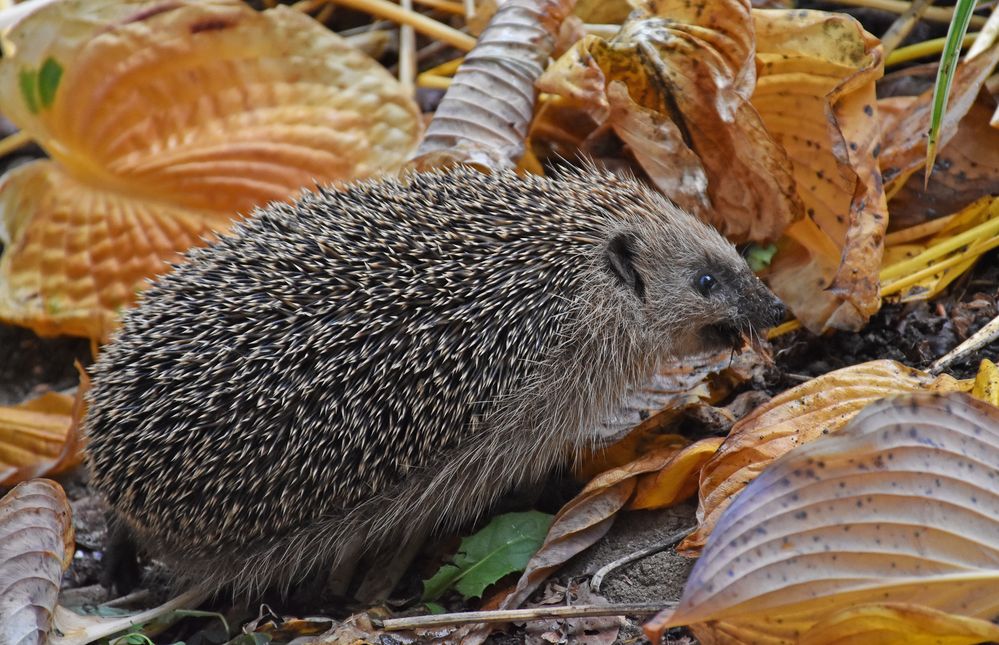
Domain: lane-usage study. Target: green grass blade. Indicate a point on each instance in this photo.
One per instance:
(945, 76)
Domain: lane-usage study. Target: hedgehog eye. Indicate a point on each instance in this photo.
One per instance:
(705, 282)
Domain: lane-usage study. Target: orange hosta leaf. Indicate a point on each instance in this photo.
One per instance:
(793, 418)
(815, 93)
(674, 84)
(36, 546)
(166, 120)
(676, 480)
(899, 507)
(38, 438)
(899, 624)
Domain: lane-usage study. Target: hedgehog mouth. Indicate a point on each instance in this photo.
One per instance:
(726, 335)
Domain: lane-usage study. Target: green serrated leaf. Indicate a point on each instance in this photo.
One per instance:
(945, 76)
(27, 81)
(759, 257)
(503, 546)
(48, 81)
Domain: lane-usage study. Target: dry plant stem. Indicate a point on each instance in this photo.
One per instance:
(432, 82)
(901, 284)
(987, 36)
(508, 615)
(598, 577)
(983, 231)
(976, 341)
(407, 51)
(936, 14)
(419, 22)
(484, 117)
(12, 142)
(918, 231)
(784, 328)
(931, 47)
(446, 6)
(469, 9)
(903, 25)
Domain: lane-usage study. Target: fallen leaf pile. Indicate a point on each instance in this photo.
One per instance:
(859, 506)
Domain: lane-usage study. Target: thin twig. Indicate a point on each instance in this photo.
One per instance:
(936, 14)
(407, 52)
(508, 615)
(14, 141)
(976, 341)
(903, 25)
(598, 577)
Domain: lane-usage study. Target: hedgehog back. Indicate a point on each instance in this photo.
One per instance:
(328, 349)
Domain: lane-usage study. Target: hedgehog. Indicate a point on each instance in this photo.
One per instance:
(381, 361)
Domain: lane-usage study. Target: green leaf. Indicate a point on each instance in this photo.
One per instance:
(48, 81)
(501, 547)
(435, 607)
(945, 76)
(27, 82)
(759, 257)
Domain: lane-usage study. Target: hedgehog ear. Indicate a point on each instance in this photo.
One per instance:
(621, 262)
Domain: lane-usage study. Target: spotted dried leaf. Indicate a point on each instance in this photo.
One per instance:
(795, 417)
(36, 546)
(967, 166)
(164, 121)
(904, 138)
(899, 507)
(899, 624)
(674, 84)
(816, 95)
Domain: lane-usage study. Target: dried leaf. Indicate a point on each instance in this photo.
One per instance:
(36, 546)
(815, 93)
(484, 117)
(986, 387)
(904, 143)
(35, 438)
(164, 122)
(676, 479)
(899, 507)
(899, 624)
(677, 389)
(674, 84)
(584, 520)
(793, 418)
(967, 167)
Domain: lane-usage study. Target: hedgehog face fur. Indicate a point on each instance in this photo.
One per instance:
(358, 369)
